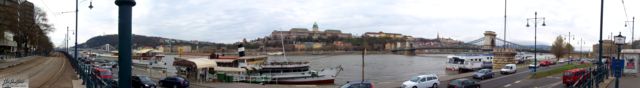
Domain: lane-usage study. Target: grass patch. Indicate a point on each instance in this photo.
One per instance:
(558, 70)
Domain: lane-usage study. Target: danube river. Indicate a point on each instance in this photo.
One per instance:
(383, 69)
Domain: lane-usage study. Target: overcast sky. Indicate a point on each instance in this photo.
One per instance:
(228, 21)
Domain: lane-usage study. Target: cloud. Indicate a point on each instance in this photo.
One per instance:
(230, 21)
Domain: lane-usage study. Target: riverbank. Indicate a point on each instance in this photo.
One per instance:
(251, 53)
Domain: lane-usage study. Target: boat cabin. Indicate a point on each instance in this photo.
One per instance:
(193, 67)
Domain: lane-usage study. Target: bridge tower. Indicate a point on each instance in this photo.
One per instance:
(503, 56)
(489, 41)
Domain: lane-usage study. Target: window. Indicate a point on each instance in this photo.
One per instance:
(415, 79)
(431, 78)
(568, 74)
(423, 80)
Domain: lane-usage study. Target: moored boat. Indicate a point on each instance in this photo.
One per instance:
(464, 63)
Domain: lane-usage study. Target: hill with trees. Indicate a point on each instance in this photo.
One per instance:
(141, 41)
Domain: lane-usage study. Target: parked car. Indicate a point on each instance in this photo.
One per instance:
(358, 84)
(508, 69)
(142, 82)
(563, 61)
(545, 63)
(531, 66)
(422, 81)
(102, 73)
(110, 83)
(483, 74)
(572, 76)
(174, 82)
(463, 83)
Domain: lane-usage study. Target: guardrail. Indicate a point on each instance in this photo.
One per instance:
(596, 76)
(83, 67)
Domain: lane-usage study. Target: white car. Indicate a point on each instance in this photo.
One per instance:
(422, 81)
(509, 68)
(562, 60)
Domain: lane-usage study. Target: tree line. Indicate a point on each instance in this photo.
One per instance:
(559, 48)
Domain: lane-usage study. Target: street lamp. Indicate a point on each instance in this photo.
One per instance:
(568, 38)
(535, 37)
(619, 40)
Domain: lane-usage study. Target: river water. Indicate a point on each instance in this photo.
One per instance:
(382, 69)
(385, 69)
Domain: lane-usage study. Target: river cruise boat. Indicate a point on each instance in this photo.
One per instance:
(469, 62)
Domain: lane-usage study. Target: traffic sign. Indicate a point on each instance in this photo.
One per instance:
(617, 66)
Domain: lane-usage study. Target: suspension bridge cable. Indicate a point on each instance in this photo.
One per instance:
(625, 10)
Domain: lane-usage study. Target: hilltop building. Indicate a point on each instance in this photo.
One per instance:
(382, 34)
(296, 33)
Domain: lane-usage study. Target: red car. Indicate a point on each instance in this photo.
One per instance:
(572, 76)
(545, 63)
(103, 73)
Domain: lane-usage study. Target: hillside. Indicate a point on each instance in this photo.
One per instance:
(139, 41)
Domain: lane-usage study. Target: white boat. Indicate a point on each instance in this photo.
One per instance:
(275, 53)
(468, 62)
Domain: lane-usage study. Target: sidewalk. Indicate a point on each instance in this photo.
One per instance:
(627, 81)
(6, 63)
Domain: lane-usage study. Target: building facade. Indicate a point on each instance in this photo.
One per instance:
(383, 34)
(14, 14)
(315, 33)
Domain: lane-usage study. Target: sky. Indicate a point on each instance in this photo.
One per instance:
(228, 21)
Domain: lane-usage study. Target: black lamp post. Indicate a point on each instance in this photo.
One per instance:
(535, 37)
(619, 40)
(125, 42)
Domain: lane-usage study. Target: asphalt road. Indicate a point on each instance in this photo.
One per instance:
(515, 80)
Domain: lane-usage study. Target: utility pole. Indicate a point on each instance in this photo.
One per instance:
(66, 40)
(581, 45)
(599, 67)
(125, 44)
(505, 25)
(633, 25)
(569, 42)
(364, 52)
(75, 53)
(84, 67)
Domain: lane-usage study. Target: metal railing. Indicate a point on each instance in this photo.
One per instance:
(596, 75)
(83, 68)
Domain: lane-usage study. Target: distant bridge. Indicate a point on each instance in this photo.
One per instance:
(486, 43)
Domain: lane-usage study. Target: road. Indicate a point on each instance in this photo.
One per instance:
(43, 72)
(517, 80)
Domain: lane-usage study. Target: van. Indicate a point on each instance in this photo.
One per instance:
(508, 69)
